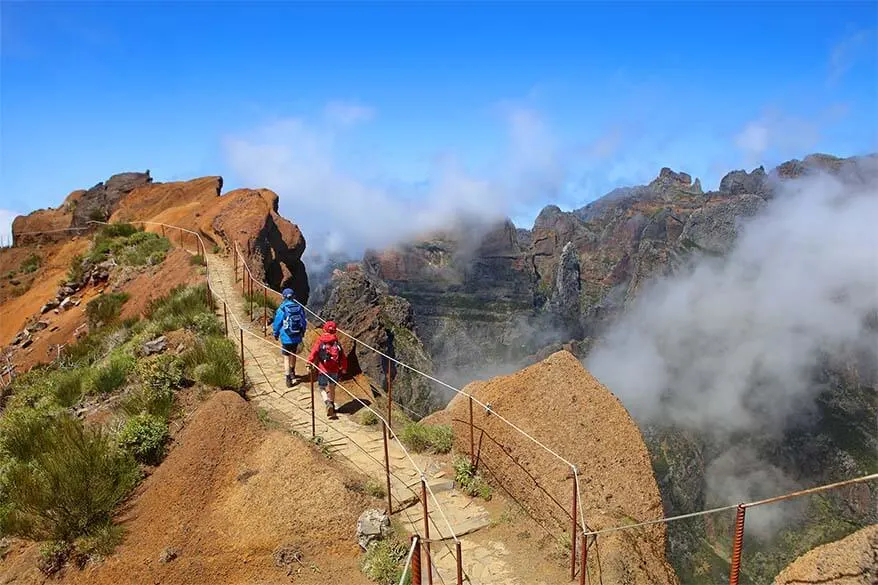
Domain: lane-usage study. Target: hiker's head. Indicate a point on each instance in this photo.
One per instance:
(288, 294)
(329, 327)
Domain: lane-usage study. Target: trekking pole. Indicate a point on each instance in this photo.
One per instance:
(387, 468)
(426, 530)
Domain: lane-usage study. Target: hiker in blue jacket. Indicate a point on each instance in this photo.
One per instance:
(289, 328)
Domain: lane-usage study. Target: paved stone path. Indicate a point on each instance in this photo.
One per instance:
(362, 447)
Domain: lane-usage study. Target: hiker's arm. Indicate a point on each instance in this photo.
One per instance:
(312, 357)
(344, 359)
(278, 318)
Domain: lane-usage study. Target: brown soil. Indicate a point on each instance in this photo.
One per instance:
(14, 312)
(177, 269)
(562, 405)
(226, 497)
(850, 561)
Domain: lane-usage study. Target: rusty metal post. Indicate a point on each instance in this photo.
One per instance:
(737, 545)
(583, 564)
(573, 535)
(265, 311)
(387, 469)
(459, 563)
(311, 377)
(472, 439)
(163, 230)
(426, 530)
(226, 318)
(243, 378)
(182, 242)
(235, 261)
(416, 560)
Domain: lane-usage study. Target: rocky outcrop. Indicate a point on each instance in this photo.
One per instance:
(562, 405)
(850, 561)
(362, 306)
(99, 202)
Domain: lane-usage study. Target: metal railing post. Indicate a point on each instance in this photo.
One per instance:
(583, 564)
(416, 561)
(472, 439)
(225, 319)
(387, 468)
(389, 396)
(182, 242)
(573, 535)
(311, 377)
(265, 311)
(426, 530)
(735, 569)
(243, 377)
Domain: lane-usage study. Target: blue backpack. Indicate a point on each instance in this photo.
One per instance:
(293, 323)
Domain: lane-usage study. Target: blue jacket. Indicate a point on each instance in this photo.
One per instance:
(279, 318)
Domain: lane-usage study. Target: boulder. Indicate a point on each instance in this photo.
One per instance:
(372, 526)
(157, 345)
(49, 306)
(99, 202)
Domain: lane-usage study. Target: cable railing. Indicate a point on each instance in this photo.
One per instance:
(589, 537)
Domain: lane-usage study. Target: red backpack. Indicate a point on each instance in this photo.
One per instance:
(330, 353)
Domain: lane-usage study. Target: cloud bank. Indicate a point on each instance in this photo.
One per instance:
(6, 217)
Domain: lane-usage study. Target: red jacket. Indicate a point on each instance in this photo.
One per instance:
(328, 367)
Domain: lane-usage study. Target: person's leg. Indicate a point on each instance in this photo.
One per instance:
(322, 380)
(332, 391)
(292, 368)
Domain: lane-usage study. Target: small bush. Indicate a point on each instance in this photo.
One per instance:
(217, 249)
(98, 545)
(469, 480)
(383, 561)
(67, 485)
(110, 375)
(368, 418)
(31, 263)
(420, 438)
(76, 272)
(105, 309)
(117, 230)
(197, 260)
(270, 300)
(145, 436)
(179, 308)
(215, 361)
(161, 374)
(53, 556)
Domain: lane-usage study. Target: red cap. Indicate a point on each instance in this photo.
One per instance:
(329, 327)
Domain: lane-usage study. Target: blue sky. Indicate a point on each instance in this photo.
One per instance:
(414, 112)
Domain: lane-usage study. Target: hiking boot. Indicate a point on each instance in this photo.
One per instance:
(330, 410)
(289, 381)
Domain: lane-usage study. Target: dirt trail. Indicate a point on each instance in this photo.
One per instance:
(361, 447)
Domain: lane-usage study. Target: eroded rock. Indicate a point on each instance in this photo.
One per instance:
(372, 526)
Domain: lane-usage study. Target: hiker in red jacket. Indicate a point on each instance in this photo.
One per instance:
(329, 357)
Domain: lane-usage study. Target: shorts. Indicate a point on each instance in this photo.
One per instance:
(289, 348)
(324, 380)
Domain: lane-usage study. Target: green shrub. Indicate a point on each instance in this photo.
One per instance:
(469, 480)
(217, 249)
(66, 484)
(269, 300)
(197, 260)
(76, 271)
(179, 308)
(368, 418)
(109, 375)
(214, 361)
(161, 373)
(206, 324)
(31, 263)
(383, 561)
(420, 438)
(141, 249)
(105, 309)
(53, 556)
(145, 436)
(116, 230)
(97, 545)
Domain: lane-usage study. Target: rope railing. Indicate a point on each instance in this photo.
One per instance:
(577, 495)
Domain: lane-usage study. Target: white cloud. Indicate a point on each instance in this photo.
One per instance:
(343, 113)
(781, 134)
(6, 217)
(339, 212)
(846, 52)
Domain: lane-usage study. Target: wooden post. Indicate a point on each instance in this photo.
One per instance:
(472, 440)
(416, 560)
(583, 565)
(573, 535)
(426, 531)
(387, 469)
(226, 318)
(737, 546)
(311, 376)
(459, 564)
